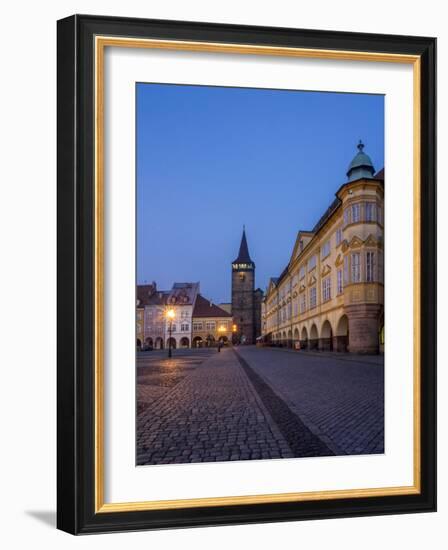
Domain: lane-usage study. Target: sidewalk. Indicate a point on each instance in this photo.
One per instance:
(337, 355)
(213, 414)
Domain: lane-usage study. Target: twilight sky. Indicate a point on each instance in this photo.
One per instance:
(210, 159)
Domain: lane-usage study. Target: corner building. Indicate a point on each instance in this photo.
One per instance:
(330, 296)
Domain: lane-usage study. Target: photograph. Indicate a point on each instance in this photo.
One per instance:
(259, 274)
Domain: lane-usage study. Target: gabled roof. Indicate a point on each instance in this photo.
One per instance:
(243, 255)
(206, 308)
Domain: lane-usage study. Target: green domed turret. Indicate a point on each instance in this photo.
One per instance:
(361, 166)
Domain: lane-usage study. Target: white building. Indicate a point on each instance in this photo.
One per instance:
(181, 299)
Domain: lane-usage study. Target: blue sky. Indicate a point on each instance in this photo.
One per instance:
(210, 159)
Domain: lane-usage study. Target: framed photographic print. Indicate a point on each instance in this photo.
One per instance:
(246, 266)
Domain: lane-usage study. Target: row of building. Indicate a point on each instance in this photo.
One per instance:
(181, 314)
(330, 295)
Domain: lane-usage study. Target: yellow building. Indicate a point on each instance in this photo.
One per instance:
(211, 324)
(330, 295)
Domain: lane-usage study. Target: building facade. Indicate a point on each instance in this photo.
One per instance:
(181, 300)
(140, 326)
(211, 324)
(157, 328)
(246, 301)
(330, 296)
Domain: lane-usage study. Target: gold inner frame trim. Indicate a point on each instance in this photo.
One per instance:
(101, 42)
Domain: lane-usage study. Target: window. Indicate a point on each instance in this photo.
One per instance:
(296, 308)
(326, 289)
(242, 277)
(370, 267)
(380, 215)
(197, 326)
(303, 303)
(312, 262)
(340, 281)
(345, 270)
(356, 268)
(355, 213)
(313, 297)
(173, 328)
(210, 325)
(325, 249)
(338, 236)
(302, 272)
(346, 216)
(184, 327)
(370, 212)
(380, 267)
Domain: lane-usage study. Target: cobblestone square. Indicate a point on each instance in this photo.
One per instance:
(257, 403)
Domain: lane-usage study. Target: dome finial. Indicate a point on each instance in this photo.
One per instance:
(361, 166)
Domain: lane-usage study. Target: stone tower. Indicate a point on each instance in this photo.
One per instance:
(243, 286)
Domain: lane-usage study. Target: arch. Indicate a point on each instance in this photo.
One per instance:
(326, 337)
(314, 337)
(289, 341)
(197, 342)
(139, 344)
(296, 334)
(184, 342)
(223, 339)
(171, 341)
(341, 339)
(304, 338)
(210, 339)
(159, 343)
(149, 343)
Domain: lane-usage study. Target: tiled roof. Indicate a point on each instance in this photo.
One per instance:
(206, 308)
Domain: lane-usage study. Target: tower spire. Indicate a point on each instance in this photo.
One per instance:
(243, 255)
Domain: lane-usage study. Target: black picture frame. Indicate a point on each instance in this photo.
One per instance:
(76, 264)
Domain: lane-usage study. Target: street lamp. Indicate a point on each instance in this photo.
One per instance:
(170, 316)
